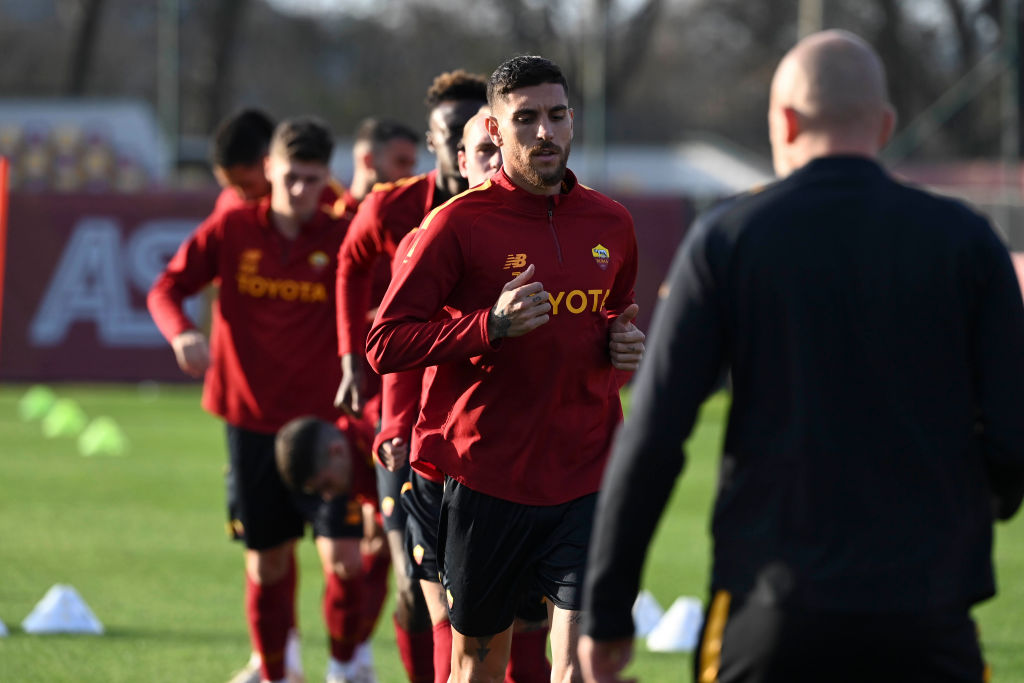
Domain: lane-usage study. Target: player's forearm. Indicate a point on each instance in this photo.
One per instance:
(401, 344)
(164, 302)
(353, 297)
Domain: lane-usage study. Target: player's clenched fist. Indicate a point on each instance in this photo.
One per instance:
(521, 307)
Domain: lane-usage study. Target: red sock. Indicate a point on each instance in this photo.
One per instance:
(269, 608)
(376, 569)
(529, 661)
(442, 651)
(342, 614)
(417, 653)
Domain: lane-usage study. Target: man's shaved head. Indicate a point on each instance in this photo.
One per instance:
(833, 85)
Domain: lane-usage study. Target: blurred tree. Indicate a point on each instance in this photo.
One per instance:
(226, 29)
(673, 68)
(86, 36)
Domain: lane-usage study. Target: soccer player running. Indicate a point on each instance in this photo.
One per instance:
(873, 332)
(478, 159)
(520, 291)
(384, 217)
(272, 348)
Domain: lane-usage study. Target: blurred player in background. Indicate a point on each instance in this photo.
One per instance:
(384, 217)
(383, 151)
(272, 357)
(874, 334)
(237, 155)
(523, 400)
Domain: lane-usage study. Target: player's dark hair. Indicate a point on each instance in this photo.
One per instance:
(301, 450)
(304, 138)
(521, 72)
(241, 139)
(379, 132)
(456, 85)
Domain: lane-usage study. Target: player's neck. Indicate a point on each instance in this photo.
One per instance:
(449, 186)
(288, 225)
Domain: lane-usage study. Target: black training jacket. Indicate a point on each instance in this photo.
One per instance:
(874, 334)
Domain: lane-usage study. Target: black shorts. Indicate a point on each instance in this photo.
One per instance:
(263, 513)
(748, 642)
(421, 503)
(389, 490)
(492, 551)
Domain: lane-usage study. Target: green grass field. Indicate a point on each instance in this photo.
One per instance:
(141, 538)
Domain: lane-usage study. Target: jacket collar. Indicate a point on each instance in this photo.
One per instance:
(517, 196)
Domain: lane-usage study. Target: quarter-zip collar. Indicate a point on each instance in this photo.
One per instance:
(536, 203)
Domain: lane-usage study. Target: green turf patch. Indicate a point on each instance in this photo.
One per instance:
(141, 537)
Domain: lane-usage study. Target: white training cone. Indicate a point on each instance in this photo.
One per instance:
(62, 610)
(646, 613)
(679, 629)
(3, 629)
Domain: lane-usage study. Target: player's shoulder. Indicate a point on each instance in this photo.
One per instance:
(463, 209)
(602, 203)
(393, 191)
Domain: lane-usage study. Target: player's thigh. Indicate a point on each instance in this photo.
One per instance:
(389, 492)
(422, 503)
(485, 547)
(260, 508)
(561, 562)
(480, 659)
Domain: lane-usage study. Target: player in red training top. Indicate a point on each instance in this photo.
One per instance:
(524, 400)
(383, 151)
(383, 218)
(478, 158)
(271, 357)
(237, 153)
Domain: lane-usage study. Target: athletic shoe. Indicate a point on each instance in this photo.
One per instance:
(357, 670)
(250, 673)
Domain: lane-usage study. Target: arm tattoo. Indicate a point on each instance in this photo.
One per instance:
(482, 649)
(575, 617)
(498, 325)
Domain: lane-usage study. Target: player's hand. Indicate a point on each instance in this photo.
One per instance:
(603, 660)
(349, 397)
(626, 341)
(192, 352)
(522, 307)
(393, 453)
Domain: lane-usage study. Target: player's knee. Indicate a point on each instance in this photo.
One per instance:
(346, 568)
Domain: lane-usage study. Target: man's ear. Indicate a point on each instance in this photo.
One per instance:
(792, 122)
(492, 130)
(430, 142)
(888, 126)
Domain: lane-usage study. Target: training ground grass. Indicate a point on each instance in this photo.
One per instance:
(141, 538)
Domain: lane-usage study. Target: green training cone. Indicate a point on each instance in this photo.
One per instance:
(66, 418)
(102, 437)
(36, 402)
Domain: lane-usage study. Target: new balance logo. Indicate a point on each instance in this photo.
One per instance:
(515, 261)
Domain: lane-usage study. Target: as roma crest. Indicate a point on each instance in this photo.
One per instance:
(601, 256)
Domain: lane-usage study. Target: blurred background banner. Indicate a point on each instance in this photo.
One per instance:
(77, 271)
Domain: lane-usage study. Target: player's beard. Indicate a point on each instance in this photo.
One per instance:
(547, 178)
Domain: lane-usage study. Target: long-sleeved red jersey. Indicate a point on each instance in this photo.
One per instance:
(527, 419)
(273, 346)
(384, 217)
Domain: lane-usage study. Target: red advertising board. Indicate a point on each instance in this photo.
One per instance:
(78, 268)
(77, 271)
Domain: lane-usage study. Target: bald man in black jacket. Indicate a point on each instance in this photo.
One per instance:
(875, 338)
